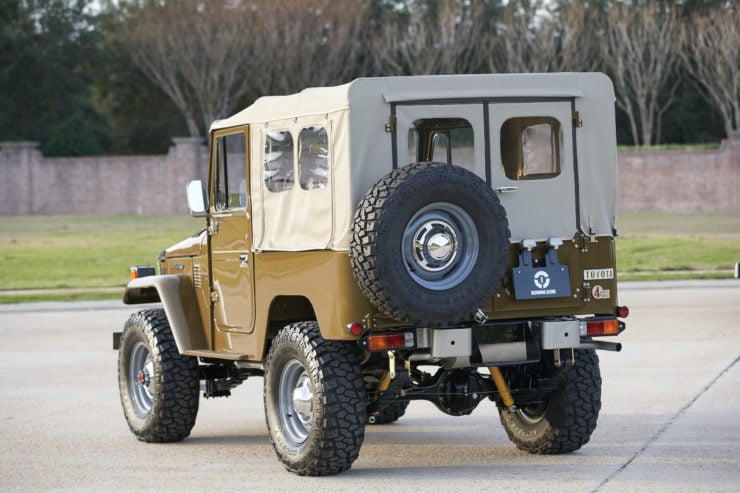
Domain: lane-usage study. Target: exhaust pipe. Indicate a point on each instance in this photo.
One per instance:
(604, 345)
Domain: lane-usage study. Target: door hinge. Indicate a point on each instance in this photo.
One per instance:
(214, 296)
(213, 227)
(391, 125)
(577, 119)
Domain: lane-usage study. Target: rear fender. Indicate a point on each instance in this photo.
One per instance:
(177, 295)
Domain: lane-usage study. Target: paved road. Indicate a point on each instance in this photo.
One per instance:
(670, 419)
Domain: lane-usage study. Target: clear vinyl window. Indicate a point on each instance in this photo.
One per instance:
(230, 191)
(279, 174)
(531, 147)
(313, 157)
(446, 140)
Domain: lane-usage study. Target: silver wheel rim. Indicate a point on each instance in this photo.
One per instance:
(440, 246)
(532, 414)
(140, 379)
(295, 403)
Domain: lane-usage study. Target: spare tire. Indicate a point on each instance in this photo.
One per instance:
(429, 244)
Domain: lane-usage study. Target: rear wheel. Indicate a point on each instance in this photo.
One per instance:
(564, 420)
(315, 401)
(159, 388)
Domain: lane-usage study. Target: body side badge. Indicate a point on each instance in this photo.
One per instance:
(600, 293)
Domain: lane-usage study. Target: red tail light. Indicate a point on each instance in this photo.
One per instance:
(397, 340)
(596, 328)
(355, 328)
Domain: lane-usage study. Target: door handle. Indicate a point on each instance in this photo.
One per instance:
(506, 189)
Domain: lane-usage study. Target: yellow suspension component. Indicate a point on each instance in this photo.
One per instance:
(385, 382)
(503, 389)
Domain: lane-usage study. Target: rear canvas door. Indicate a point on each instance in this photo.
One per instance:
(533, 168)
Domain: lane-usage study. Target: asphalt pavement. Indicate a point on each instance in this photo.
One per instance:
(670, 419)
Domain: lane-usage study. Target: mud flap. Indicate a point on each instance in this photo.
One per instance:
(549, 281)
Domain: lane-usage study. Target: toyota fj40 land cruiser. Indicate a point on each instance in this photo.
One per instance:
(358, 235)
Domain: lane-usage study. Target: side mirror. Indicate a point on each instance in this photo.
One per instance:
(197, 198)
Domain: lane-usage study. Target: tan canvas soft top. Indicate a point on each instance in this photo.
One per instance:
(357, 117)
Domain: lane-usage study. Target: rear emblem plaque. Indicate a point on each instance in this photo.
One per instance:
(549, 281)
(598, 274)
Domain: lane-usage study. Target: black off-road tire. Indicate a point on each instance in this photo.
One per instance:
(429, 244)
(389, 414)
(568, 418)
(159, 387)
(315, 401)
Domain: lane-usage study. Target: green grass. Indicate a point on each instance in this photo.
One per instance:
(659, 246)
(88, 257)
(671, 147)
(56, 252)
(86, 295)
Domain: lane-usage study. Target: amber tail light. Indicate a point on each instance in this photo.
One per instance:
(138, 271)
(389, 341)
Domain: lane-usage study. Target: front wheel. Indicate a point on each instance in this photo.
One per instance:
(566, 418)
(159, 387)
(315, 401)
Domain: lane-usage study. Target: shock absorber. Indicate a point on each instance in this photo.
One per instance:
(502, 388)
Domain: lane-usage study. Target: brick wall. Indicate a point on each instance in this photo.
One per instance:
(32, 184)
(682, 181)
(686, 181)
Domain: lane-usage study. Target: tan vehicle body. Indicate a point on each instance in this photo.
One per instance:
(244, 308)
(357, 235)
(322, 286)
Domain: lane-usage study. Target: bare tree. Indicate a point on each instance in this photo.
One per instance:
(195, 52)
(641, 53)
(214, 51)
(712, 57)
(544, 37)
(579, 28)
(384, 46)
(444, 40)
(522, 45)
(207, 56)
(307, 43)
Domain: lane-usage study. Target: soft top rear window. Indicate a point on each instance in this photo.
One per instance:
(531, 147)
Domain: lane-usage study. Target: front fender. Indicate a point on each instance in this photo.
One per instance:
(177, 295)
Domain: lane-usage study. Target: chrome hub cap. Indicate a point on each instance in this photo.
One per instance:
(303, 400)
(440, 246)
(140, 375)
(435, 245)
(295, 403)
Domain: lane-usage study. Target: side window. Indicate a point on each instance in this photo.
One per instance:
(279, 174)
(230, 191)
(413, 142)
(447, 140)
(530, 147)
(441, 149)
(313, 158)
